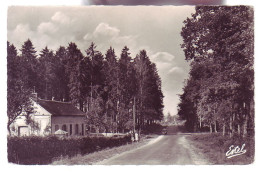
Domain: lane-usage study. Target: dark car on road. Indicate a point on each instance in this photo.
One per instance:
(164, 131)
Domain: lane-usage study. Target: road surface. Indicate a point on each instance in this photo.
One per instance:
(164, 150)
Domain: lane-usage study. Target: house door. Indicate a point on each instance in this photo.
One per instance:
(23, 131)
(64, 128)
(76, 129)
(70, 129)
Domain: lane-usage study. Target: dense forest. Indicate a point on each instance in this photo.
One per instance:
(117, 93)
(218, 41)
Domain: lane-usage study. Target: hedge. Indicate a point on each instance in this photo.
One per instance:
(33, 150)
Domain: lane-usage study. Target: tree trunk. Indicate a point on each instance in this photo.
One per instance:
(46, 95)
(141, 107)
(210, 128)
(91, 92)
(134, 115)
(8, 128)
(215, 126)
(245, 126)
(224, 129)
(230, 126)
(117, 111)
(200, 122)
(238, 129)
(87, 109)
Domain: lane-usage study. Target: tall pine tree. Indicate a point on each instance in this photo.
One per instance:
(18, 92)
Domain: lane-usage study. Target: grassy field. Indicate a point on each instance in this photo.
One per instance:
(214, 146)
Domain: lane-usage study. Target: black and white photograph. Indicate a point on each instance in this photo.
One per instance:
(130, 85)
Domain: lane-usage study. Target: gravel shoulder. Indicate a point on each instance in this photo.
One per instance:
(196, 155)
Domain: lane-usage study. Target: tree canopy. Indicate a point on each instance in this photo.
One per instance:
(106, 87)
(219, 43)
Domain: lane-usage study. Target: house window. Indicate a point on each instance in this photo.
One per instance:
(76, 129)
(70, 129)
(56, 127)
(64, 127)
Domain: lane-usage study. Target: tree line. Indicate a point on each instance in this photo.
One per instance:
(117, 94)
(219, 94)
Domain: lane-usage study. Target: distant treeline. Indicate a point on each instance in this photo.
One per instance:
(219, 94)
(113, 91)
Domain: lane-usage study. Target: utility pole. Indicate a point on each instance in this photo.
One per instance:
(134, 114)
(136, 137)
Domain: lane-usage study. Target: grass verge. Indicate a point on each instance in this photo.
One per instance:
(98, 156)
(214, 147)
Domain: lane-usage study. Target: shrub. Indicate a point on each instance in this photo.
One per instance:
(42, 150)
(153, 128)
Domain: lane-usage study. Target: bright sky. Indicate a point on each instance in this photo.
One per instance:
(155, 29)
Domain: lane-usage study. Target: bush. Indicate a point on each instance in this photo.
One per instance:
(42, 150)
(153, 128)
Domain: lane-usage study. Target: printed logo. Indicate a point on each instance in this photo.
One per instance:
(235, 151)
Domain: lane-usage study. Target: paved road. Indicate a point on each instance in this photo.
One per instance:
(165, 150)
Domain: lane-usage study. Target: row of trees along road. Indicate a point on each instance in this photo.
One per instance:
(112, 91)
(219, 94)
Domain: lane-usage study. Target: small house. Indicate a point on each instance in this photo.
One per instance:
(50, 116)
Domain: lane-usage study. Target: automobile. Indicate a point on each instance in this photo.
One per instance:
(164, 131)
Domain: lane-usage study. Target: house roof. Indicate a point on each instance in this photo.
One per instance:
(58, 108)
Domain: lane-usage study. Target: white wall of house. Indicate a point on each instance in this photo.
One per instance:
(20, 123)
(44, 123)
(40, 111)
(40, 116)
(21, 127)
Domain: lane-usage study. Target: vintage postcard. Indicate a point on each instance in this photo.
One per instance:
(130, 85)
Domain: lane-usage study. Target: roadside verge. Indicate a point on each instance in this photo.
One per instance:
(99, 156)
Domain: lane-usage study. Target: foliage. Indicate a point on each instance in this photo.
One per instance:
(62, 92)
(149, 94)
(219, 40)
(42, 150)
(105, 87)
(153, 128)
(46, 73)
(35, 126)
(28, 63)
(17, 89)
